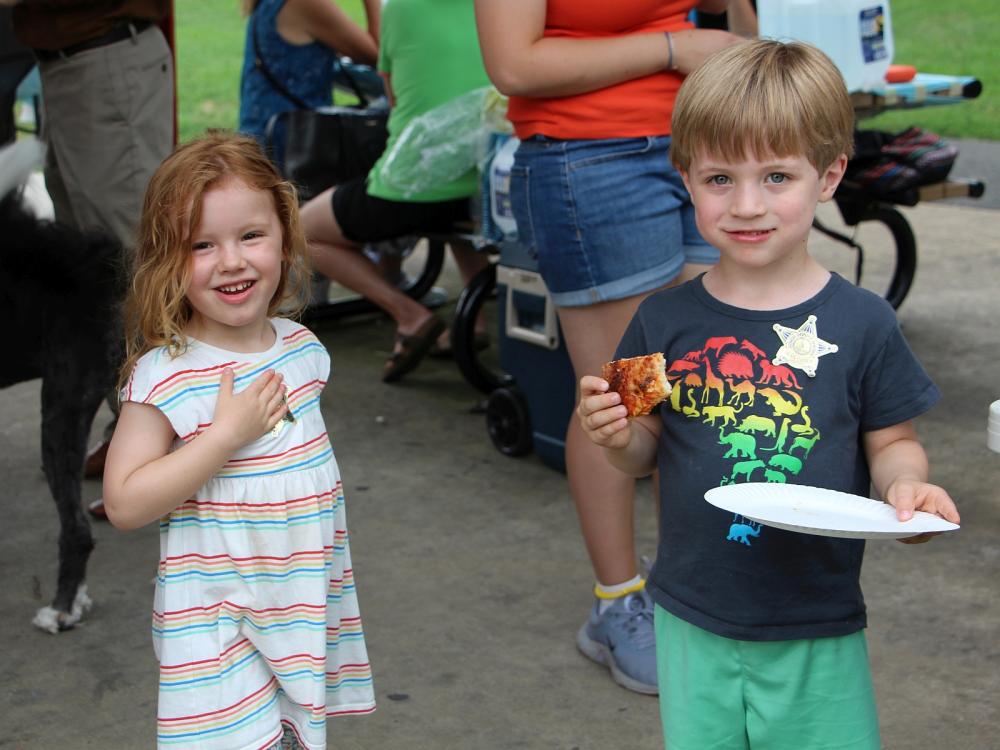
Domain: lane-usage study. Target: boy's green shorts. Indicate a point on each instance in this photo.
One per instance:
(722, 694)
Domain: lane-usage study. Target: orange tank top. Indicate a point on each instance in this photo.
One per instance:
(639, 107)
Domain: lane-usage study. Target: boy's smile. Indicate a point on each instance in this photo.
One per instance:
(236, 254)
(758, 212)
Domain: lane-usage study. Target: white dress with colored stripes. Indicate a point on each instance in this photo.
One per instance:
(255, 617)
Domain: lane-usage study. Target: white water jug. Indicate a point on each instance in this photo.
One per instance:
(855, 34)
(499, 182)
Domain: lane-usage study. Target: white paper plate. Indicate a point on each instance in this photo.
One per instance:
(813, 510)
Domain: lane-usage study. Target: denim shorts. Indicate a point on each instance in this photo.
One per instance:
(607, 219)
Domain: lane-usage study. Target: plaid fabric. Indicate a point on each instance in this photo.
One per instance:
(894, 162)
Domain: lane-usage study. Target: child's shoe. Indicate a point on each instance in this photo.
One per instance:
(621, 638)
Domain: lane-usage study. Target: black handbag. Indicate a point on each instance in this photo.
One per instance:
(327, 146)
(318, 148)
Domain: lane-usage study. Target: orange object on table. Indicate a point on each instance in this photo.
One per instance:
(900, 73)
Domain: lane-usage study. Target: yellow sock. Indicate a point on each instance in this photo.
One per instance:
(607, 594)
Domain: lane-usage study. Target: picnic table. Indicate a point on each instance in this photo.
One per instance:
(926, 89)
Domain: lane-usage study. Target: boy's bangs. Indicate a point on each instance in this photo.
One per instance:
(749, 120)
(741, 135)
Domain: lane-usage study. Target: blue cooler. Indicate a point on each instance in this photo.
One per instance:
(532, 410)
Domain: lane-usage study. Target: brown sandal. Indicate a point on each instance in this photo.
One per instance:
(412, 349)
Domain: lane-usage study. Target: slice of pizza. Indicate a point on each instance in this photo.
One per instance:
(640, 381)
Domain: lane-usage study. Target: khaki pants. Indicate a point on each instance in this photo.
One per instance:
(108, 123)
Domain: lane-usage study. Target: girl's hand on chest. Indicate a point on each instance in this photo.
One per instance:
(243, 417)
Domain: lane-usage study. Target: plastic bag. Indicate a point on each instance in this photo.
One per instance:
(444, 143)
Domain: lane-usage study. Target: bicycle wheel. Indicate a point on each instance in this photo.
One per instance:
(881, 250)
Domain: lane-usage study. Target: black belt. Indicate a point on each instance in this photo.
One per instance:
(119, 33)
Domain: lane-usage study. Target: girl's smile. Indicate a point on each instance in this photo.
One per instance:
(234, 293)
(236, 254)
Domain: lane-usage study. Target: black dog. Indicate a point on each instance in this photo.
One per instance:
(60, 290)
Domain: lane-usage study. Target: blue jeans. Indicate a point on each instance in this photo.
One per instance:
(607, 219)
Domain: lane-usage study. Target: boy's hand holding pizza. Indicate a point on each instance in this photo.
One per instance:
(614, 410)
(602, 415)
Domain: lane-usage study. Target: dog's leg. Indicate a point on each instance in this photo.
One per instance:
(69, 403)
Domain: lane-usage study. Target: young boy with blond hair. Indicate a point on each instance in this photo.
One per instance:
(781, 372)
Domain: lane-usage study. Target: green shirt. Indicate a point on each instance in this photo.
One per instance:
(430, 50)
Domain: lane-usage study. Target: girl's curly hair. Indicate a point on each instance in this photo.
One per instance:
(156, 309)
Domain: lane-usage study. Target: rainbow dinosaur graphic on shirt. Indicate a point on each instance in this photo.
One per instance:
(752, 401)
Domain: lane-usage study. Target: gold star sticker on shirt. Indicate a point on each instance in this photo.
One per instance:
(801, 347)
(288, 417)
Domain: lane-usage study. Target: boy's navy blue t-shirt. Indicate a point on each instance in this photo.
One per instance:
(741, 412)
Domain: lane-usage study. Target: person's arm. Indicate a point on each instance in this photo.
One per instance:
(387, 85)
(144, 480)
(373, 16)
(520, 61)
(742, 18)
(629, 444)
(899, 470)
(327, 23)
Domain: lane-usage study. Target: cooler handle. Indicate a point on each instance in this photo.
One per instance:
(528, 282)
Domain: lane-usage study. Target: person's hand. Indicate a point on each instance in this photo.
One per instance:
(693, 46)
(243, 417)
(909, 495)
(602, 415)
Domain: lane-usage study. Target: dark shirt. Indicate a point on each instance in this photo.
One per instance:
(305, 70)
(738, 416)
(56, 24)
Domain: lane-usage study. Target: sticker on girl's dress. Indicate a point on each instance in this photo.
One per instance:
(801, 347)
(280, 424)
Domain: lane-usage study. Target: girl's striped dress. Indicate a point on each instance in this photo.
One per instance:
(255, 618)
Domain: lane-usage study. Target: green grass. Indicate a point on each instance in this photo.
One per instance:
(209, 40)
(956, 38)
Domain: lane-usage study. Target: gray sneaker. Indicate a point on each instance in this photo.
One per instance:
(622, 639)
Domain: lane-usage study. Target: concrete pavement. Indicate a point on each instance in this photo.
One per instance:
(978, 160)
(472, 576)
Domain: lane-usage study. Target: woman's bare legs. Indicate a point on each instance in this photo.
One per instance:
(603, 496)
(342, 260)
(469, 260)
